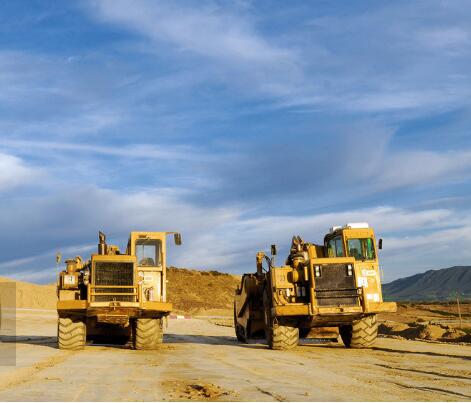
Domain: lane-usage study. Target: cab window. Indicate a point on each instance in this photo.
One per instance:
(361, 248)
(335, 247)
(149, 252)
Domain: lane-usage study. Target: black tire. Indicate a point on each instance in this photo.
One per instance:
(148, 333)
(71, 333)
(279, 337)
(239, 329)
(240, 334)
(283, 337)
(361, 333)
(304, 332)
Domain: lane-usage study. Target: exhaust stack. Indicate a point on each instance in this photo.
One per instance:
(102, 246)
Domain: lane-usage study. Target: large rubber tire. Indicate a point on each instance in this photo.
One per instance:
(240, 334)
(239, 329)
(361, 333)
(71, 333)
(148, 333)
(283, 337)
(304, 332)
(278, 337)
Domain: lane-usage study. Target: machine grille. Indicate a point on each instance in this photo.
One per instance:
(114, 274)
(334, 287)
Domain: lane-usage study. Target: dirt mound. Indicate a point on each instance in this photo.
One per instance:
(34, 296)
(190, 291)
(423, 331)
(180, 390)
(412, 312)
(204, 292)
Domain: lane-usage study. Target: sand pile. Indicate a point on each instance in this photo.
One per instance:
(190, 291)
(203, 292)
(423, 331)
(33, 296)
(179, 390)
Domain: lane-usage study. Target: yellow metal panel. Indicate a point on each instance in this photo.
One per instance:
(291, 310)
(377, 307)
(339, 310)
(114, 258)
(333, 260)
(157, 306)
(280, 277)
(71, 305)
(108, 304)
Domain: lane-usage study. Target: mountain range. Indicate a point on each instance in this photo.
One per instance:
(432, 285)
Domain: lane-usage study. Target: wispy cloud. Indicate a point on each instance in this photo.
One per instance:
(239, 124)
(15, 172)
(208, 30)
(147, 151)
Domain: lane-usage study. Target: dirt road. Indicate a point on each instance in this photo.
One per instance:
(203, 361)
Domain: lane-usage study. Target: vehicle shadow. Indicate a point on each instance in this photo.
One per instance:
(232, 340)
(427, 353)
(46, 341)
(199, 339)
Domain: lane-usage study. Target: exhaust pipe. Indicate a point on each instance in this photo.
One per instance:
(102, 247)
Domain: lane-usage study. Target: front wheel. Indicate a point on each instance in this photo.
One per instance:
(283, 337)
(71, 333)
(279, 337)
(360, 333)
(148, 333)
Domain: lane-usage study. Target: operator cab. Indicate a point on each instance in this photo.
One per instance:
(355, 240)
(149, 252)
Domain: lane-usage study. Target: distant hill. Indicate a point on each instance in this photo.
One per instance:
(191, 291)
(433, 285)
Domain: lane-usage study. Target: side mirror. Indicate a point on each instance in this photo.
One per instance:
(380, 243)
(273, 250)
(177, 238)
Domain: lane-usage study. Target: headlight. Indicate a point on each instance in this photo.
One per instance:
(349, 270)
(317, 271)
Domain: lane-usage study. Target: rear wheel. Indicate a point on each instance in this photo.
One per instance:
(361, 333)
(71, 333)
(283, 337)
(148, 333)
(240, 334)
(279, 337)
(239, 329)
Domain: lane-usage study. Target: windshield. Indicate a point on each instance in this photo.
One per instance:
(148, 252)
(335, 247)
(361, 248)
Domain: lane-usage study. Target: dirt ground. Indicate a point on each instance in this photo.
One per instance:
(203, 361)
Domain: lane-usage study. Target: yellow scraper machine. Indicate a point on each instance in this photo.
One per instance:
(115, 294)
(333, 288)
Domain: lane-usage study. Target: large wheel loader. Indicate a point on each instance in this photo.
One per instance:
(333, 288)
(115, 295)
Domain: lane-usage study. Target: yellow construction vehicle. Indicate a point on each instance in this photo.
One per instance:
(334, 285)
(116, 294)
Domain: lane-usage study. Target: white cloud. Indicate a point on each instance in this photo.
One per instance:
(215, 238)
(222, 41)
(424, 168)
(14, 172)
(210, 31)
(147, 151)
(445, 37)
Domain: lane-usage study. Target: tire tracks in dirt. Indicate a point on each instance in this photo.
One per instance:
(26, 374)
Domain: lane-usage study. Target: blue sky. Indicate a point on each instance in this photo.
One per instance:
(239, 124)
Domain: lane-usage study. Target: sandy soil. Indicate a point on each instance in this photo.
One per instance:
(203, 361)
(29, 295)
